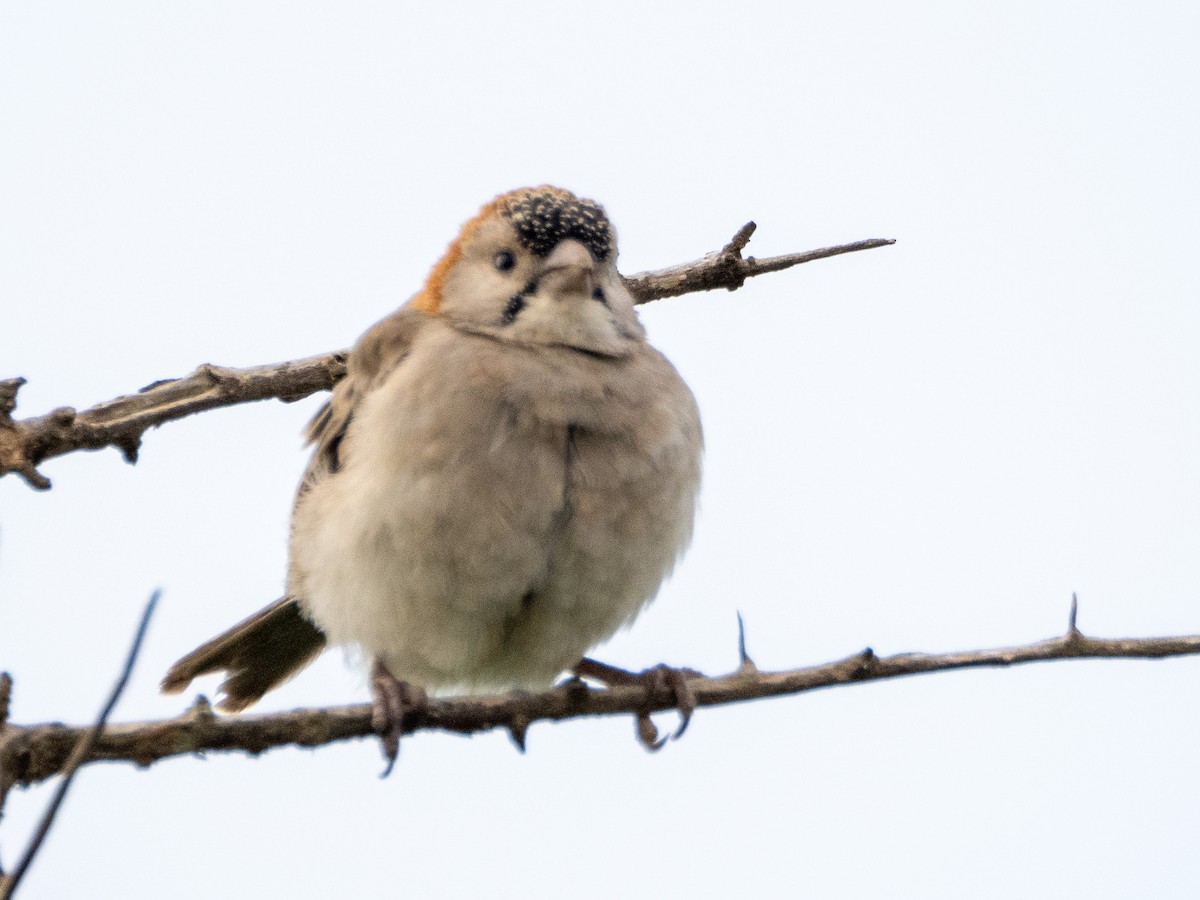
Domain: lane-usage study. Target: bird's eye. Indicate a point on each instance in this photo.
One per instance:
(504, 260)
(598, 294)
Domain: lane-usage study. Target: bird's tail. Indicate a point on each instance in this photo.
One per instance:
(256, 654)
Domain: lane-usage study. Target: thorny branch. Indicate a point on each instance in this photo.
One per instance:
(728, 269)
(121, 422)
(32, 753)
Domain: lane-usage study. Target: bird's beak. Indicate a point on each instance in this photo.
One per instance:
(569, 269)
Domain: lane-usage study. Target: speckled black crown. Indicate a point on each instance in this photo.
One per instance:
(545, 217)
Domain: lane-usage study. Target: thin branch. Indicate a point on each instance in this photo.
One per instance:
(6, 684)
(5, 697)
(36, 752)
(81, 753)
(26, 443)
(121, 422)
(728, 269)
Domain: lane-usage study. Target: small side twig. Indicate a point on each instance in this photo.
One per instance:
(739, 241)
(81, 753)
(728, 269)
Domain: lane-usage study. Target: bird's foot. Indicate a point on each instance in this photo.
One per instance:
(392, 700)
(658, 680)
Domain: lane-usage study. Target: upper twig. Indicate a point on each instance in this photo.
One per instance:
(26, 443)
(728, 269)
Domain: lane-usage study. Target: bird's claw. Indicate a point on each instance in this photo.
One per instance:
(392, 700)
(675, 682)
(647, 733)
(659, 680)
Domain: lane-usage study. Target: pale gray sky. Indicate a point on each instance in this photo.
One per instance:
(924, 447)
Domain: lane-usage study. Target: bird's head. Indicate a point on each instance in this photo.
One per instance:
(537, 266)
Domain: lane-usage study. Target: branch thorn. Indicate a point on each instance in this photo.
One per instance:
(1072, 628)
(201, 710)
(745, 663)
(129, 447)
(518, 727)
(865, 662)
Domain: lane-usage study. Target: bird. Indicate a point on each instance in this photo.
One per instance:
(503, 479)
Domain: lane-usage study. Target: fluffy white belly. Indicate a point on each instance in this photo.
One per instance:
(478, 541)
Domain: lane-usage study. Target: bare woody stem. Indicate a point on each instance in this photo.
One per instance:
(121, 422)
(32, 753)
(728, 269)
(80, 753)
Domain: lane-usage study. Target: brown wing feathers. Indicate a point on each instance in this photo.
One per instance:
(275, 643)
(257, 654)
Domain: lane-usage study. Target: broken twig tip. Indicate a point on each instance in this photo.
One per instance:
(129, 448)
(739, 241)
(34, 478)
(1072, 628)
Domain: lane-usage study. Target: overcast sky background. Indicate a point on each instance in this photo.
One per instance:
(922, 447)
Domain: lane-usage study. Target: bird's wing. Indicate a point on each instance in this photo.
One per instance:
(277, 642)
(373, 358)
